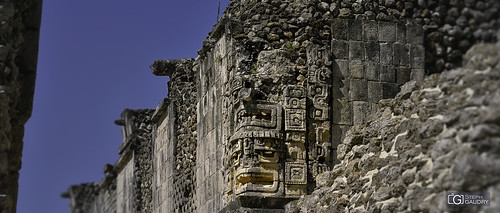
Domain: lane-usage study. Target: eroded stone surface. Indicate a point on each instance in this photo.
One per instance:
(260, 116)
(438, 135)
(19, 32)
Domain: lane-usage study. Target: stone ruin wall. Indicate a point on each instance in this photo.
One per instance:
(127, 185)
(19, 33)
(276, 86)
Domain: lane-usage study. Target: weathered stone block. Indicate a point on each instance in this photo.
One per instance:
(372, 71)
(343, 112)
(372, 51)
(386, 54)
(360, 112)
(339, 29)
(355, 30)
(359, 90)
(402, 75)
(400, 33)
(389, 90)
(340, 49)
(357, 69)
(341, 68)
(417, 74)
(401, 54)
(356, 50)
(417, 56)
(340, 88)
(338, 134)
(414, 33)
(386, 31)
(388, 74)
(370, 31)
(374, 91)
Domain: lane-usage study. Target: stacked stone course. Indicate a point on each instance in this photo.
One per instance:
(263, 111)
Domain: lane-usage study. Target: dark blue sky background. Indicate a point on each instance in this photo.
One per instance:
(93, 62)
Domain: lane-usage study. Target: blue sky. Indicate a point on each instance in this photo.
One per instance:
(93, 62)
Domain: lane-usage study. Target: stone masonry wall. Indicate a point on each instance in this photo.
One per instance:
(19, 32)
(438, 135)
(261, 115)
(451, 27)
(126, 186)
(372, 59)
(175, 144)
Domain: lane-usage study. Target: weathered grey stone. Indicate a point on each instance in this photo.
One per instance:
(341, 68)
(356, 50)
(386, 54)
(235, 101)
(360, 112)
(19, 34)
(401, 33)
(357, 69)
(340, 88)
(402, 75)
(370, 31)
(414, 34)
(344, 115)
(340, 49)
(401, 54)
(372, 52)
(359, 90)
(387, 31)
(389, 90)
(417, 56)
(374, 91)
(339, 29)
(387, 74)
(372, 70)
(355, 30)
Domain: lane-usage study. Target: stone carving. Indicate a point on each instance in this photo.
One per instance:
(318, 92)
(255, 150)
(256, 115)
(256, 165)
(295, 127)
(295, 119)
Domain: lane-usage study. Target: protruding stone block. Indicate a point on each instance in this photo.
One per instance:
(356, 50)
(370, 31)
(389, 90)
(386, 31)
(343, 114)
(360, 112)
(340, 49)
(374, 91)
(372, 71)
(414, 34)
(372, 52)
(340, 88)
(402, 75)
(417, 56)
(355, 30)
(341, 68)
(339, 29)
(388, 74)
(401, 33)
(417, 74)
(386, 54)
(359, 90)
(357, 69)
(401, 54)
